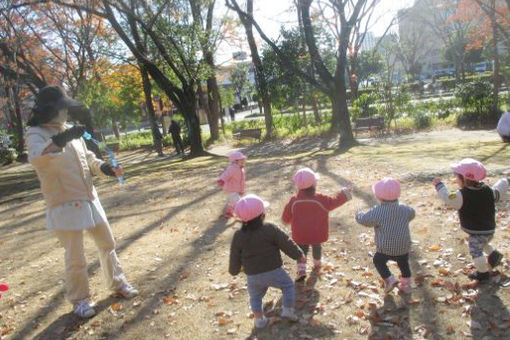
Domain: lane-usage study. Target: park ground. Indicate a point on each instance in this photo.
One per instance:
(174, 248)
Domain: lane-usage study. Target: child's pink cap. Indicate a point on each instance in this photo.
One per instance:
(305, 178)
(470, 168)
(236, 156)
(387, 189)
(250, 207)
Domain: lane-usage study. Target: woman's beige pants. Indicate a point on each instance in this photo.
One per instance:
(77, 283)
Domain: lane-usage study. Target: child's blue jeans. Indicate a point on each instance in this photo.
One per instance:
(259, 283)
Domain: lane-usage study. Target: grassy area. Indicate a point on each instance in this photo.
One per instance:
(418, 115)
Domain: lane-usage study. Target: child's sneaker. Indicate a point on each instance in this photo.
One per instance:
(289, 314)
(83, 309)
(494, 258)
(301, 276)
(228, 213)
(480, 277)
(390, 283)
(261, 322)
(127, 291)
(405, 285)
(317, 264)
(301, 271)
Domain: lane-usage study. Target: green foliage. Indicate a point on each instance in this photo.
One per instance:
(287, 125)
(476, 100)
(422, 120)
(227, 96)
(112, 103)
(363, 106)
(239, 79)
(8, 155)
(286, 87)
(367, 65)
(394, 101)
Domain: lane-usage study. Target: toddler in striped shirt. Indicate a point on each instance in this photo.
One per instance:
(390, 219)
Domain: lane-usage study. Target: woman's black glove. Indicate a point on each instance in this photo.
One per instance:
(107, 169)
(68, 135)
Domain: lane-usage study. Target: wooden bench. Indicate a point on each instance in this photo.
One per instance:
(252, 133)
(376, 123)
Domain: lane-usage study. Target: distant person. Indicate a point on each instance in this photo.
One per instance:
(503, 127)
(244, 102)
(65, 167)
(175, 131)
(232, 113)
(308, 214)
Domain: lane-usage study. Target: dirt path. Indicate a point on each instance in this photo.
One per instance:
(174, 248)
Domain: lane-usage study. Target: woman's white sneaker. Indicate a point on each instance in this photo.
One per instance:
(83, 309)
(127, 291)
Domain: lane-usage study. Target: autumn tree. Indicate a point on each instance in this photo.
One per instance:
(439, 16)
(171, 58)
(492, 29)
(22, 68)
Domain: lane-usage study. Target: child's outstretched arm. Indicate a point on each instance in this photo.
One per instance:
(287, 245)
(234, 267)
(452, 199)
(499, 188)
(369, 219)
(339, 199)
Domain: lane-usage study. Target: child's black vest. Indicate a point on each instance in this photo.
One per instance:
(477, 215)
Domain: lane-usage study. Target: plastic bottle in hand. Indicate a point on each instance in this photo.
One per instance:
(115, 164)
(113, 161)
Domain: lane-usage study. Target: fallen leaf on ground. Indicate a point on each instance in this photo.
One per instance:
(223, 321)
(117, 307)
(170, 301)
(184, 275)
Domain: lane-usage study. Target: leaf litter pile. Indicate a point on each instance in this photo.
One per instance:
(174, 248)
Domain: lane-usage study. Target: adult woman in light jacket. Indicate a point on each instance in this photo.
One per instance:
(65, 167)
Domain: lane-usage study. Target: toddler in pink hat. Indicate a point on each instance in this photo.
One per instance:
(475, 202)
(256, 248)
(232, 180)
(308, 214)
(390, 220)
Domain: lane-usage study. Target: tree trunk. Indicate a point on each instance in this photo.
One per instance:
(259, 70)
(164, 125)
(213, 99)
(353, 78)
(316, 113)
(494, 24)
(115, 129)
(19, 122)
(214, 107)
(147, 90)
(203, 103)
(305, 123)
(189, 109)
(341, 114)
